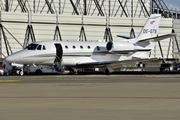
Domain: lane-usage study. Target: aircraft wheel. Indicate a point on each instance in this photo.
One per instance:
(38, 72)
(71, 71)
(6, 73)
(21, 73)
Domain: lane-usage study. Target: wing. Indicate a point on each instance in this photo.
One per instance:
(125, 37)
(114, 63)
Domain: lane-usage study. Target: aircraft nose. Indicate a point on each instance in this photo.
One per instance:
(10, 59)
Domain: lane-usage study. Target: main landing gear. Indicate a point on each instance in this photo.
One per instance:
(71, 71)
(107, 72)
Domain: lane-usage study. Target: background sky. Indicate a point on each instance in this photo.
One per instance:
(173, 4)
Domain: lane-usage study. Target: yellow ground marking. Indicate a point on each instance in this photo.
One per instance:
(9, 81)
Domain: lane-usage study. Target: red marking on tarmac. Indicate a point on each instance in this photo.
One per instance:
(85, 97)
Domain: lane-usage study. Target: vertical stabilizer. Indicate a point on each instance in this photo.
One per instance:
(150, 28)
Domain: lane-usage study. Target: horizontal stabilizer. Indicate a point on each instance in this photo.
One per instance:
(125, 37)
(158, 38)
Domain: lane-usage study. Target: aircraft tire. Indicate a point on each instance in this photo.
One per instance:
(21, 73)
(71, 71)
(38, 72)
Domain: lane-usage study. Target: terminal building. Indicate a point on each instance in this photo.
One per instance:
(22, 22)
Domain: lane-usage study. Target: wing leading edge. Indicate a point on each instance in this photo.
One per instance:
(114, 63)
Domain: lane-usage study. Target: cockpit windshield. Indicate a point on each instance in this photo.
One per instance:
(35, 47)
(31, 47)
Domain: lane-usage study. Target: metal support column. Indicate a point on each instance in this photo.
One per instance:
(122, 8)
(74, 7)
(57, 33)
(6, 5)
(173, 31)
(108, 35)
(22, 5)
(162, 55)
(99, 7)
(160, 49)
(85, 7)
(29, 33)
(166, 8)
(82, 35)
(160, 9)
(132, 33)
(141, 2)
(6, 42)
(49, 7)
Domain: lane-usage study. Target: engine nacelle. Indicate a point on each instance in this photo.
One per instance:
(119, 47)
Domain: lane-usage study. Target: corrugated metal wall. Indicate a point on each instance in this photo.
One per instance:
(177, 31)
(74, 7)
(44, 28)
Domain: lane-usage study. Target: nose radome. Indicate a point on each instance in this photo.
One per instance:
(7, 59)
(10, 59)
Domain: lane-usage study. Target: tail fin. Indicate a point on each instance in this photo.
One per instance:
(150, 28)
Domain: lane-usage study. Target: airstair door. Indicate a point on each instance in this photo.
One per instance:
(59, 52)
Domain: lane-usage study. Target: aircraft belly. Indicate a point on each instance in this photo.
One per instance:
(111, 57)
(46, 60)
(73, 61)
(35, 60)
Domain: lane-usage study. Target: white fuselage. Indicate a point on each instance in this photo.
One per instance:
(71, 53)
(92, 54)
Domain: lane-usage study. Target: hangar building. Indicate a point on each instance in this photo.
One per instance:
(22, 22)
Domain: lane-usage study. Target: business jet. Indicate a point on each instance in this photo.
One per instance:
(85, 54)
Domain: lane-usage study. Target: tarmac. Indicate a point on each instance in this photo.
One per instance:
(90, 97)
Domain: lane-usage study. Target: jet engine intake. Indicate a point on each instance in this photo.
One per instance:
(109, 45)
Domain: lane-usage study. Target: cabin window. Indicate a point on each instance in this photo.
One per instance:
(81, 47)
(39, 47)
(98, 48)
(44, 48)
(66, 47)
(74, 47)
(31, 47)
(88, 47)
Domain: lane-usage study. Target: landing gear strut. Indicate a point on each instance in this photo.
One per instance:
(71, 71)
(107, 72)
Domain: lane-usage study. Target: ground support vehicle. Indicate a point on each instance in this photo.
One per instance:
(40, 69)
(12, 69)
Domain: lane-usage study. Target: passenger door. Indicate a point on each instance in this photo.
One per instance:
(59, 52)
